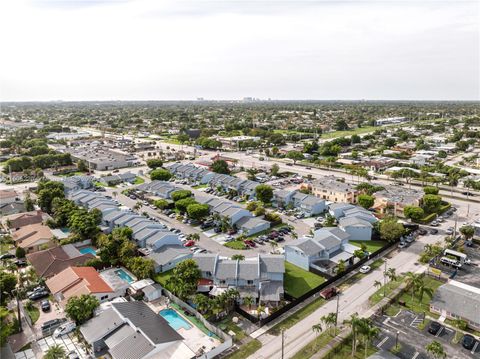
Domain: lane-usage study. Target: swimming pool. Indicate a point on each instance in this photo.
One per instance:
(174, 319)
(124, 275)
(86, 250)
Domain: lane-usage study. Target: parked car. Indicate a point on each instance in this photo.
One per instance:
(422, 231)
(50, 326)
(250, 243)
(403, 245)
(64, 329)
(434, 231)
(435, 224)
(329, 292)
(7, 256)
(279, 239)
(39, 295)
(232, 231)
(434, 328)
(365, 269)
(21, 263)
(217, 229)
(73, 355)
(449, 231)
(468, 341)
(45, 305)
(189, 243)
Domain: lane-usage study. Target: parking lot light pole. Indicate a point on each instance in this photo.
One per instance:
(336, 312)
(396, 340)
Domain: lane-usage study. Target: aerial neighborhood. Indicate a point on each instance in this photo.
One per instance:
(307, 234)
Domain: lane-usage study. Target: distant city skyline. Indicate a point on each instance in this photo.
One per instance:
(131, 50)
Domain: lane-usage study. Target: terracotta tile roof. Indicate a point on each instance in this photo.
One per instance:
(5, 193)
(31, 234)
(77, 280)
(24, 219)
(52, 261)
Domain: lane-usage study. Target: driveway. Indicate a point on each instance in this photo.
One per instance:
(69, 342)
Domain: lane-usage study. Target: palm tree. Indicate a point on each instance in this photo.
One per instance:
(55, 352)
(239, 257)
(329, 320)
(369, 332)
(248, 301)
(202, 303)
(391, 274)
(317, 328)
(422, 290)
(354, 322)
(274, 245)
(377, 284)
(436, 350)
(341, 266)
(412, 280)
(137, 206)
(260, 310)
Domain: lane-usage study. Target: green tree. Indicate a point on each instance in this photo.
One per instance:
(436, 350)
(184, 279)
(390, 230)
(202, 303)
(160, 174)
(413, 212)
(80, 309)
(431, 203)
(330, 320)
(8, 282)
(47, 192)
(239, 257)
(467, 231)
(154, 163)
(29, 203)
(366, 201)
(55, 352)
(259, 211)
(354, 323)
(6, 328)
(182, 205)
(275, 169)
(198, 211)
(82, 166)
(141, 267)
(161, 203)
(252, 206)
(181, 194)
(264, 193)
(430, 190)
(295, 156)
(84, 223)
(20, 252)
(317, 328)
(220, 166)
(341, 266)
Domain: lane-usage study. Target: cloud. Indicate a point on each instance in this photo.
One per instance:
(145, 49)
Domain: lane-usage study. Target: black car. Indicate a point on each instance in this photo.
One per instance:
(39, 295)
(433, 231)
(434, 328)
(279, 239)
(7, 256)
(21, 262)
(50, 325)
(45, 305)
(217, 230)
(422, 231)
(468, 341)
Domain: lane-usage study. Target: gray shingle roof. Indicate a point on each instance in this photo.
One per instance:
(134, 346)
(206, 261)
(459, 301)
(248, 270)
(169, 253)
(353, 222)
(272, 263)
(101, 325)
(154, 326)
(226, 269)
(307, 246)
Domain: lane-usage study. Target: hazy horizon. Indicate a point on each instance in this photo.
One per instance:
(147, 50)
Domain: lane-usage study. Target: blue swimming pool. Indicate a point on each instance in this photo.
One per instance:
(174, 319)
(124, 275)
(86, 250)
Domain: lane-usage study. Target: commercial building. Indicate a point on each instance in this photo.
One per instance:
(331, 189)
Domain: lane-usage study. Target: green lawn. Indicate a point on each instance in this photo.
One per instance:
(246, 350)
(139, 180)
(162, 278)
(344, 350)
(311, 348)
(389, 288)
(355, 131)
(372, 246)
(226, 325)
(297, 316)
(33, 313)
(298, 281)
(235, 245)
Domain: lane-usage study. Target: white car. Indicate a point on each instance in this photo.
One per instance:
(63, 329)
(365, 269)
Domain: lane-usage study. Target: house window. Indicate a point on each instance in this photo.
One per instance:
(249, 282)
(222, 282)
(104, 297)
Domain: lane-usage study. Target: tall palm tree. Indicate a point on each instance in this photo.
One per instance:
(202, 302)
(369, 332)
(329, 320)
(391, 274)
(248, 301)
(422, 290)
(317, 328)
(377, 284)
(260, 310)
(412, 280)
(354, 322)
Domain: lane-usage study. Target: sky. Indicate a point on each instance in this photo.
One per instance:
(221, 49)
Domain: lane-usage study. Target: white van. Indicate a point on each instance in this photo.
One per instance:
(64, 329)
(451, 262)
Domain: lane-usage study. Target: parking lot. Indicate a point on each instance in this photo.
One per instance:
(406, 327)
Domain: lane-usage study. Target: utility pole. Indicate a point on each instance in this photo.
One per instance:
(18, 311)
(385, 278)
(336, 311)
(283, 342)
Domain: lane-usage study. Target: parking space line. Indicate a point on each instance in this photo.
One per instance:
(396, 329)
(475, 347)
(439, 332)
(415, 355)
(379, 345)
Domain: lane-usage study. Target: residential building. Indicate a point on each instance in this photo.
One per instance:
(259, 277)
(49, 262)
(16, 221)
(131, 330)
(117, 179)
(456, 300)
(76, 183)
(7, 209)
(33, 237)
(8, 196)
(76, 281)
(323, 251)
(394, 199)
(159, 189)
(331, 189)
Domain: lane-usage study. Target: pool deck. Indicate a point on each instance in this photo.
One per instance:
(194, 338)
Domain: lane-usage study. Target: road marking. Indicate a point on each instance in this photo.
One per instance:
(382, 342)
(475, 347)
(396, 329)
(439, 332)
(415, 355)
(416, 322)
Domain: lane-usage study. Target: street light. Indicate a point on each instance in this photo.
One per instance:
(396, 340)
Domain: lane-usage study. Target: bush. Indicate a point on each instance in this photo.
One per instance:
(20, 252)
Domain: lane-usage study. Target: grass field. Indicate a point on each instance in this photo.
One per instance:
(162, 278)
(354, 131)
(246, 350)
(236, 245)
(387, 289)
(139, 180)
(311, 348)
(372, 246)
(299, 281)
(33, 313)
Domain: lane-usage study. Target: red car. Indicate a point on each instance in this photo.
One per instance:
(189, 243)
(250, 243)
(232, 231)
